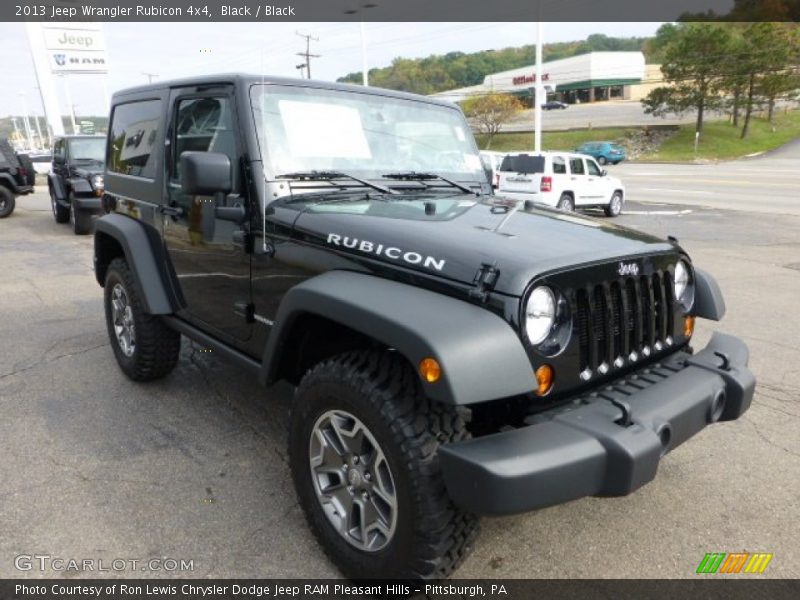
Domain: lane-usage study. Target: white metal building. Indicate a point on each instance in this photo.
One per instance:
(584, 78)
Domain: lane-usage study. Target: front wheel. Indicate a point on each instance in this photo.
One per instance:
(7, 202)
(602, 160)
(363, 443)
(614, 207)
(144, 347)
(60, 213)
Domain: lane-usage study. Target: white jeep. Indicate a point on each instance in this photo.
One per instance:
(560, 179)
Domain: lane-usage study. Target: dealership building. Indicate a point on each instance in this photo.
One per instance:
(591, 77)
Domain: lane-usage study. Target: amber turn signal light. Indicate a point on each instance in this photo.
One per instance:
(688, 326)
(430, 369)
(544, 380)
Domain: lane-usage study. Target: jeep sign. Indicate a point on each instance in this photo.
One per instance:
(74, 39)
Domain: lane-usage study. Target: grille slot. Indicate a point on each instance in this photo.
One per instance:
(618, 318)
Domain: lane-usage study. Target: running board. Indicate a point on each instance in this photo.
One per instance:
(224, 350)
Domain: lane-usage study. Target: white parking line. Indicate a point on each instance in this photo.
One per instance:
(673, 190)
(658, 212)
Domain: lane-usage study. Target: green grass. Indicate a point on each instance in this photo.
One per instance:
(720, 140)
(554, 140)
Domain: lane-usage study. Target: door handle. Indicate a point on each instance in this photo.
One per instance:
(173, 211)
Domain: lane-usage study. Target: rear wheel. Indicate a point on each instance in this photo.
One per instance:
(363, 443)
(144, 347)
(80, 220)
(60, 213)
(7, 202)
(614, 207)
(566, 203)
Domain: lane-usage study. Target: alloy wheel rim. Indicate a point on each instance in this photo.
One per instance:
(616, 205)
(352, 480)
(122, 319)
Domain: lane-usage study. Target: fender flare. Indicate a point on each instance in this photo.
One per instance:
(481, 355)
(7, 181)
(55, 183)
(144, 257)
(708, 301)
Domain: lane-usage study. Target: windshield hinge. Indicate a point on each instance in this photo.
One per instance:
(484, 281)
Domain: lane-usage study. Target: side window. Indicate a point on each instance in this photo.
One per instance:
(131, 139)
(559, 165)
(58, 149)
(576, 166)
(203, 125)
(593, 168)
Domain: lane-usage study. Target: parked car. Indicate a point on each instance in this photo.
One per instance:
(562, 180)
(76, 180)
(603, 152)
(491, 164)
(15, 178)
(555, 105)
(454, 354)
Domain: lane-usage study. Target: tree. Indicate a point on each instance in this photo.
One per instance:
(695, 56)
(491, 111)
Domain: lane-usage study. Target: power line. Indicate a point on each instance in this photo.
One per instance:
(307, 54)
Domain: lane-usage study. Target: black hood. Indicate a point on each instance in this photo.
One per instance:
(465, 232)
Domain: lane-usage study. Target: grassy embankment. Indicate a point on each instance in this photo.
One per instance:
(719, 140)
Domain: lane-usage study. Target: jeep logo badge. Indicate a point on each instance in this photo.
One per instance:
(628, 269)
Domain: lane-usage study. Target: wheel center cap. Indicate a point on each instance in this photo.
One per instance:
(354, 477)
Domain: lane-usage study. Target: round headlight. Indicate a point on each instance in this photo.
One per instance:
(540, 314)
(684, 287)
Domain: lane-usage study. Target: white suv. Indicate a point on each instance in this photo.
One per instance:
(560, 179)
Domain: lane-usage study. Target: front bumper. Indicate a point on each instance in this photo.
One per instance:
(88, 203)
(605, 443)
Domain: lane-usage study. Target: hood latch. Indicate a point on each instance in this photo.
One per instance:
(484, 281)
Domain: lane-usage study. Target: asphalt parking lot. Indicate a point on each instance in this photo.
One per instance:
(193, 467)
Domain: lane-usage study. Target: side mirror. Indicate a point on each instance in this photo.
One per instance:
(59, 159)
(205, 173)
(603, 172)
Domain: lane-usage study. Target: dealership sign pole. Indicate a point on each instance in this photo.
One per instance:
(44, 78)
(537, 109)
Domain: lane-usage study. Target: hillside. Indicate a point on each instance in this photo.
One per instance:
(438, 73)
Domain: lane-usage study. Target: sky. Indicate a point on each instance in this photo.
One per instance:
(172, 50)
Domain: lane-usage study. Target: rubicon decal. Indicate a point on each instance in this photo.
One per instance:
(734, 562)
(393, 252)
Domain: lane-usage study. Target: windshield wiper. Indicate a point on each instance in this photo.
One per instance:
(416, 176)
(329, 175)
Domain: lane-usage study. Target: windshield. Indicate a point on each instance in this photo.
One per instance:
(88, 149)
(307, 129)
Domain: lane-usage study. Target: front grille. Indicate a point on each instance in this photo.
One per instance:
(626, 319)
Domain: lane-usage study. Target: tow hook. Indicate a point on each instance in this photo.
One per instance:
(726, 362)
(626, 419)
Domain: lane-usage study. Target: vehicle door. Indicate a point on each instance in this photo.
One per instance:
(560, 178)
(59, 165)
(598, 186)
(577, 179)
(207, 252)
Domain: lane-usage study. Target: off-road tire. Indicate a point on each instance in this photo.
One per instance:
(157, 346)
(7, 202)
(614, 207)
(566, 203)
(60, 212)
(80, 220)
(432, 536)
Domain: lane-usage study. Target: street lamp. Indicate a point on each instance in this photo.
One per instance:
(364, 68)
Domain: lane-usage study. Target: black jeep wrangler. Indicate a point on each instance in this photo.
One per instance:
(454, 353)
(76, 180)
(16, 179)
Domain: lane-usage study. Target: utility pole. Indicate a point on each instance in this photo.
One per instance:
(302, 68)
(150, 76)
(307, 54)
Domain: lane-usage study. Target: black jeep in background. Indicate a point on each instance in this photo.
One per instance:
(454, 353)
(16, 178)
(76, 180)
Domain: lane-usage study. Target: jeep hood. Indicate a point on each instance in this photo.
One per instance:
(522, 244)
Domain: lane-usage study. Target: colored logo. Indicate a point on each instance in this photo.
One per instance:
(734, 562)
